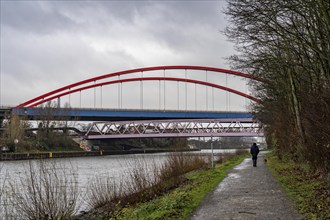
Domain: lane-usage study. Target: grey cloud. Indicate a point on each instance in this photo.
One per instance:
(33, 16)
(48, 44)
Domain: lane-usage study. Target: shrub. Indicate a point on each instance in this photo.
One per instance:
(45, 191)
(142, 183)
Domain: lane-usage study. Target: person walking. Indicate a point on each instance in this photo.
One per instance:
(254, 151)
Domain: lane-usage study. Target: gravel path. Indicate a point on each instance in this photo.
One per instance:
(247, 193)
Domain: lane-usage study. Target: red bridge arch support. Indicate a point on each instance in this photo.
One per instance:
(83, 85)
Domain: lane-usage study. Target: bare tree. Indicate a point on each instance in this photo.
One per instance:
(286, 45)
(49, 137)
(15, 132)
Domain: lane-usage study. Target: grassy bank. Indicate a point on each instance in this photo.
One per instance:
(182, 201)
(308, 189)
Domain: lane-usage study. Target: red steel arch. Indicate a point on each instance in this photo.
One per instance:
(51, 95)
(146, 79)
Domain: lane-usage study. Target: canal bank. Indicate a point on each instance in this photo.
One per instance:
(178, 202)
(54, 154)
(86, 170)
(117, 167)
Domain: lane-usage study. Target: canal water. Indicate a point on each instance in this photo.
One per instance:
(87, 169)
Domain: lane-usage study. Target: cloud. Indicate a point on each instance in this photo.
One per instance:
(49, 44)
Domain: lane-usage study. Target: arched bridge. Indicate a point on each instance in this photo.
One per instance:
(76, 94)
(95, 82)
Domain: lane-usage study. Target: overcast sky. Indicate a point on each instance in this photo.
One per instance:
(49, 44)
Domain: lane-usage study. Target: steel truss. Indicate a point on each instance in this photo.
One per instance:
(175, 128)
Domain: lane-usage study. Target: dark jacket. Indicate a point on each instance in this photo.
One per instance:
(254, 149)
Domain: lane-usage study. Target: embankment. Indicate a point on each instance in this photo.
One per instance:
(45, 155)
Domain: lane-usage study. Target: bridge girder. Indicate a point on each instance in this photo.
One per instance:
(175, 128)
(81, 114)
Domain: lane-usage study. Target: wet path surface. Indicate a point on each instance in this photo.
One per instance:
(247, 193)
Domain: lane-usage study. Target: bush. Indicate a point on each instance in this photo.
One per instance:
(45, 191)
(142, 183)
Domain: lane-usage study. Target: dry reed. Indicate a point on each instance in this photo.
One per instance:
(45, 191)
(143, 182)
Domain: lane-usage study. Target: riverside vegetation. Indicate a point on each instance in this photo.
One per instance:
(180, 202)
(47, 190)
(285, 45)
(47, 137)
(308, 190)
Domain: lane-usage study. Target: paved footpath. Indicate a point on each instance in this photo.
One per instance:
(247, 193)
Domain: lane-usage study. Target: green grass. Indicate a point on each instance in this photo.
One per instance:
(307, 188)
(182, 201)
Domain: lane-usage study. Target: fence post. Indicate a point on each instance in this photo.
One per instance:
(212, 158)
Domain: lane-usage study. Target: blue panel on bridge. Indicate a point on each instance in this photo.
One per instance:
(125, 114)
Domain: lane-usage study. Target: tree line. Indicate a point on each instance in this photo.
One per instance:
(18, 134)
(286, 45)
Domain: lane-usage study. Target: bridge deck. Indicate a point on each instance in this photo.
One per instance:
(81, 114)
